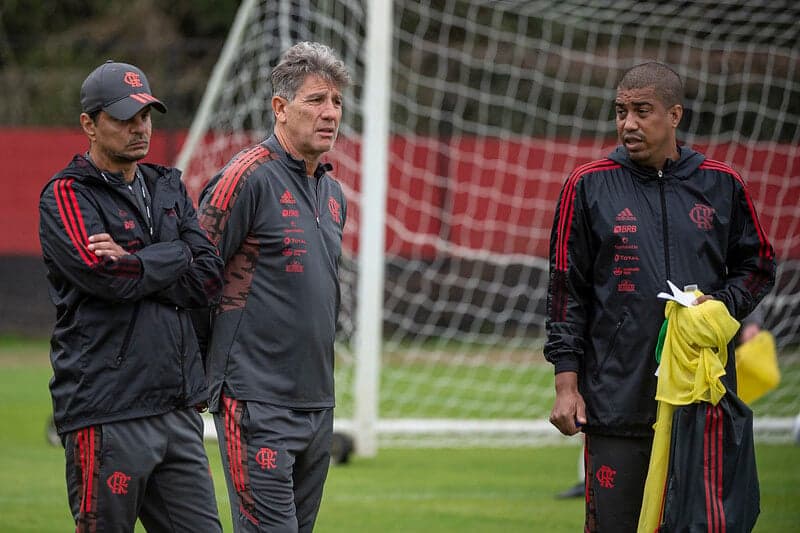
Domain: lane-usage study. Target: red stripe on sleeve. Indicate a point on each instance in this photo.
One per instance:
(72, 219)
(567, 206)
(227, 184)
(753, 283)
(764, 249)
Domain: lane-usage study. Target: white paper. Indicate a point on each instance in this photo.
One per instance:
(683, 298)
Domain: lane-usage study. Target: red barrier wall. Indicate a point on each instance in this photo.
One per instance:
(28, 159)
(505, 208)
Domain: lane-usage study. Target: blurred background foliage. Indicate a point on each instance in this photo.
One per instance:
(48, 47)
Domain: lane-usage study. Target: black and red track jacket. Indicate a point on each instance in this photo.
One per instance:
(123, 345)
(280, 234)
(620, 232)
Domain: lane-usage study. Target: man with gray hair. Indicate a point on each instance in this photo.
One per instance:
(277, 218)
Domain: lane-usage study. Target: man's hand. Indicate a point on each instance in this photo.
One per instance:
(569, 409)
(748, 331)
(104, 246)
(701, 299)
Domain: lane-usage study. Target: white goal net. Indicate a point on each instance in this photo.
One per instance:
(490, 105)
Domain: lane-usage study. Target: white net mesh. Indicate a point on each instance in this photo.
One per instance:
(492, 104)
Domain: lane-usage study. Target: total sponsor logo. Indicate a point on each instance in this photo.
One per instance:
(290, 243)
(623, 257)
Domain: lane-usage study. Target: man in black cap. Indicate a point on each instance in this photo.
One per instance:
(126, 262)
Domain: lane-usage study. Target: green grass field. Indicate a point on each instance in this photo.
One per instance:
(440, 490)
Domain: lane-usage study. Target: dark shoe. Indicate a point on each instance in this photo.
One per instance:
(341, 448)
(576, 491)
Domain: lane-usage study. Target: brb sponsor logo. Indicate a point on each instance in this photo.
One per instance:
(625, 228)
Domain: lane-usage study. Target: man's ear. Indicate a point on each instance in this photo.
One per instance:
(676, 113)
(88, 126)
(279, 108)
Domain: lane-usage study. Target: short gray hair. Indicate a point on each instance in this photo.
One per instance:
(303, 59)
(667, 82)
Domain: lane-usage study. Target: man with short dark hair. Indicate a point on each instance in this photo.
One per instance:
(126, 260)
(652, 211)
(278, 217)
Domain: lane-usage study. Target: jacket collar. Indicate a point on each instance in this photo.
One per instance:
(298, 165)
(683, 167)
(82, 169)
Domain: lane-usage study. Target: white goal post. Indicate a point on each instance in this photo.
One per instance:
(465, 118)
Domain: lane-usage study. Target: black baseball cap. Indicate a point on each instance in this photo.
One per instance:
(119, 89)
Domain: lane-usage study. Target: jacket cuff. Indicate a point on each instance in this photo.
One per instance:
(566, 365)
(188, 251)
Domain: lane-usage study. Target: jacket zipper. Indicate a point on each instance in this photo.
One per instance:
(147, 229)
(664, 226)
(128, 334)
(317, 205)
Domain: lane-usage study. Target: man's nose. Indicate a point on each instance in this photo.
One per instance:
(138, 122)
(330, 109)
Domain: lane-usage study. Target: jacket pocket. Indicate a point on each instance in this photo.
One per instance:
(116, 357)
(168, 229)
(611, 348)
